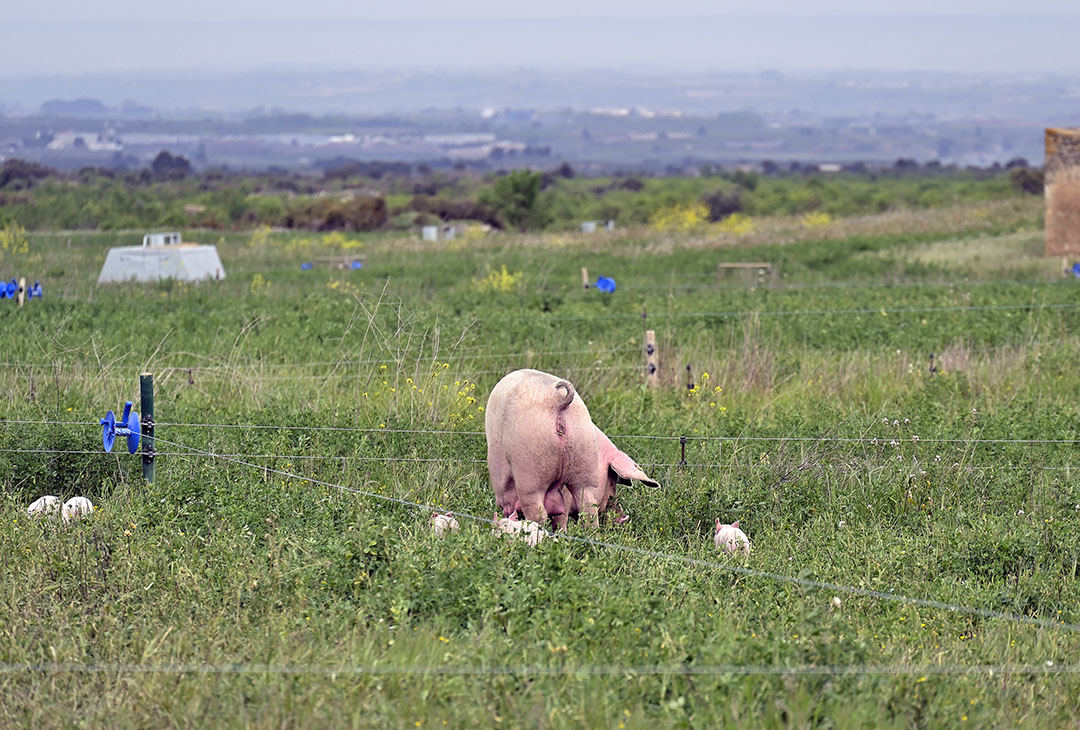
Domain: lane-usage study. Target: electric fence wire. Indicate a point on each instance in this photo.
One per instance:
(852, 285)
(256, 367)
(717, 466)
(629, 670)
(872, 440)
(351, 362)
(539, 317)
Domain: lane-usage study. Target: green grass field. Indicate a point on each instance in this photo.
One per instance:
(224, 594)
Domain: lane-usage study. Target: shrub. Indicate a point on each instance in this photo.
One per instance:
(1027, 180)
(722, 203)
(515, 199)
(448, 209)
(327, 214)
(13, 241)
(500, 280)
(816, 220)
(738, 224)
(679, 217)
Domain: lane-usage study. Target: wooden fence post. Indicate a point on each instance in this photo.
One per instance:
(652, 369)
(584, 278)
(22, 291)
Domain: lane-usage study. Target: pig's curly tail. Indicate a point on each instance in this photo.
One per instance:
(565, 385)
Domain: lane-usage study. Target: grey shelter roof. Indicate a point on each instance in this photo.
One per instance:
(184, 262)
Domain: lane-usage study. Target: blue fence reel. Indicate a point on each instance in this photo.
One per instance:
(305, 266)
(129, 427)
(605, 284)
(11, 288)
(35, 290)
(1076, 269)
(357, 265)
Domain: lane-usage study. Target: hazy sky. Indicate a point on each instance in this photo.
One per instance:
(217, 10)
(69, 37)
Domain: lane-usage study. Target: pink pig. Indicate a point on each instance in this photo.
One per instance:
(546, 458)
(730, 538)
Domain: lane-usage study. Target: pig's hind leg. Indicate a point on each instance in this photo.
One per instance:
(531, 499)
(502, 482)
(555, 505)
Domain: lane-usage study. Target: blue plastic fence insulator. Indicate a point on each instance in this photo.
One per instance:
(1076, 269)
(305, 266)
(35, 290)
(357, 265)
(605, 284)
(108, 431)
(129, 427)
(12, 288)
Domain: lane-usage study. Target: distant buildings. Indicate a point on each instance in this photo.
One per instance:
(88, 141)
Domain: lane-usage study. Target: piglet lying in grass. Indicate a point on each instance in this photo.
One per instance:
(531, 532)
(47, 506)
(534, 533)
(731, 539)
(75, 508)
(442, 524)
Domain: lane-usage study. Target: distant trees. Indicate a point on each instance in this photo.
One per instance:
(169, 192)
(16, 174)
(340, 168)
(168, 167)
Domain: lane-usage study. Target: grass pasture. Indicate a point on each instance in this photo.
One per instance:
(266, 579)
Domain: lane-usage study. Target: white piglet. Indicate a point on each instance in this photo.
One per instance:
(506, 525)
(75, 508)
(45, 506)
(534, 533)
(731, 539)
(442, 524)
(531, 532)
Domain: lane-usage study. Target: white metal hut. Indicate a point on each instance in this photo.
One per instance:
(162, 256)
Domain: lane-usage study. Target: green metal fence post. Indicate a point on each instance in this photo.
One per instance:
(146, 406)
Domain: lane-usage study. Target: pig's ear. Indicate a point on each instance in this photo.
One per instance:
(735, 523)
(718, 525)
(625, 469)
